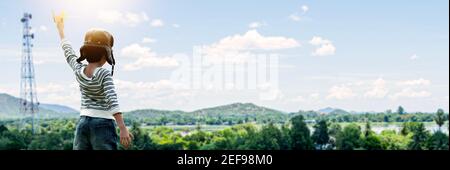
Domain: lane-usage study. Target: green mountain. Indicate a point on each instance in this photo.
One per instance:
(340, 112)
(221, 115)
(227, 114)
(330, 110)
(9, 109)
(239, 108)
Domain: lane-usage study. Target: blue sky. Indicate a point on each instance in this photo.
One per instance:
(355, 55)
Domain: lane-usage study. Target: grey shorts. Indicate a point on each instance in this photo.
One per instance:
(95, 134)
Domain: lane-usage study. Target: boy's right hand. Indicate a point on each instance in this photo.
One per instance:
(59, 21)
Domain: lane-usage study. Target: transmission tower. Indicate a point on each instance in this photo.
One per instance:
(29, 105)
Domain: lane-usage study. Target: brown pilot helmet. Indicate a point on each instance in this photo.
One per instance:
(98, 43)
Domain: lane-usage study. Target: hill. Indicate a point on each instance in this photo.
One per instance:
(239, 108)
(330, 110)
(9, 109)
(227, 114)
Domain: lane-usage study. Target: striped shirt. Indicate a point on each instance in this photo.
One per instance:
(98, 96)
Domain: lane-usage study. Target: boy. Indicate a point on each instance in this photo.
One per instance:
(95, 129)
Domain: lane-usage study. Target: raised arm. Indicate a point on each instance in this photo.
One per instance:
(59, 21)
(69, 53)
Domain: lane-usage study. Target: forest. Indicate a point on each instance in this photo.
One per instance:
(327, 133)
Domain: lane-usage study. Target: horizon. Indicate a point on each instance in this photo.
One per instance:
(351, 55)
(283, 111)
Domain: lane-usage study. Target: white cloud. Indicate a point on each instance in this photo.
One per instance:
(132, 94)
(314, 97)
(136, 51)
(255, 25)
(142, 94)
(145, 57)
(157, 23)
(63, 93)
(324, 47)
(145, 87)
(410, 93)
(295, 17)
(305, 8)
(244, 48)
(272, 94)
(127, 18)
(136, 18)
(41, 55)
(325, 50)
(298, 17)
(43, 28)
(298, 99)
(418, 82)
(69, 98)
(410, 89)
(148, 40)
(9, 90)
(379, 89)
(51, 88)
(109, 16)
(341, 92)
(316, 41)
(253, 40)
(414, 57)
(176, 25)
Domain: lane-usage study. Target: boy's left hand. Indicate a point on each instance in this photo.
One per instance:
(126, 138)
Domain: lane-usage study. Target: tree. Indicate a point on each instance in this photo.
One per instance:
(167, 139)
(320, 135)
(408, 127)
(368, 130)
(3, 128)
(141, 140)
(390, 140)
(285, 144)
(386, 118)
(400, 110)
(439, 141)
(49, 141)
(419, 138)
(5, 143)
(300, 134)
(335, 129)
(163, 121)
(440, 118)
(197, 140)
(349, 138)
(371, 140)
(269, 138)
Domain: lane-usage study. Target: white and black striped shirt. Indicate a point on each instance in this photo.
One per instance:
(98, 96)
